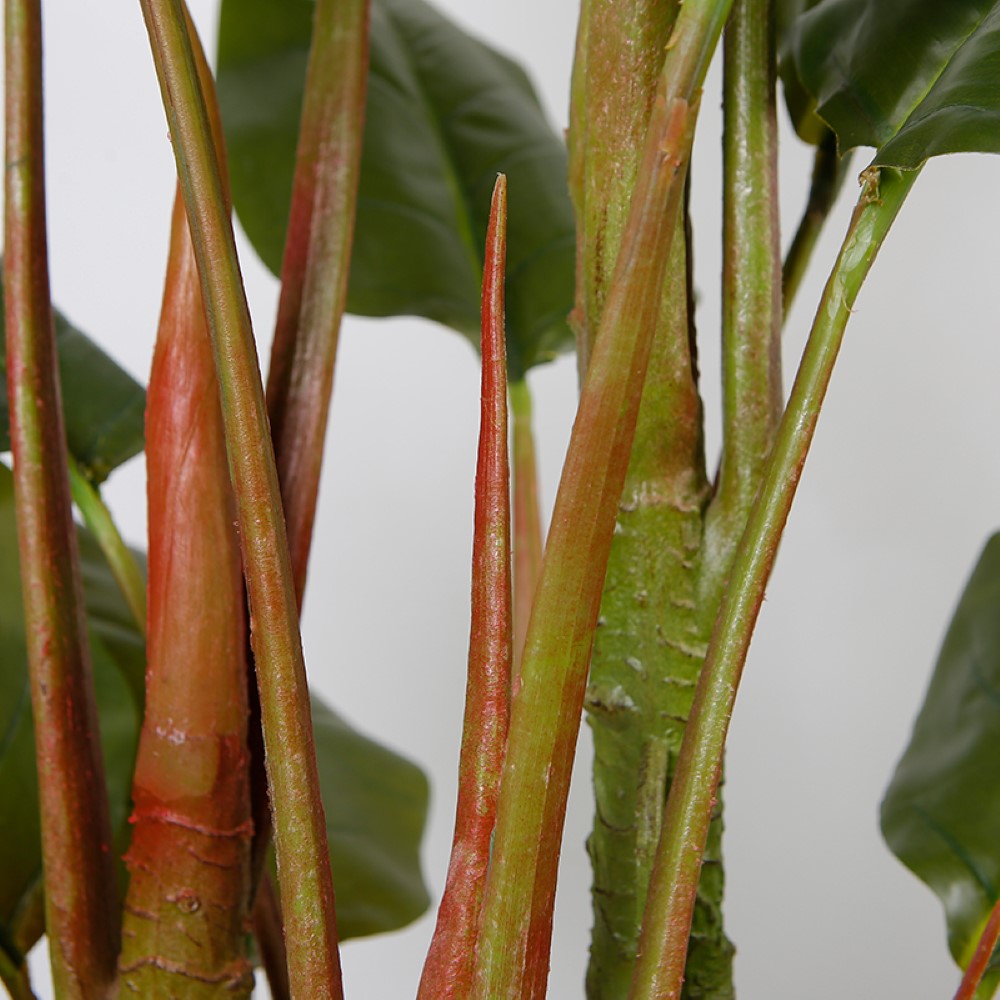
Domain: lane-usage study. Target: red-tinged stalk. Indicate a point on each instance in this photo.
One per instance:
(985, 947)
(659, 970)
(269, 936)
(81, 901)
(317, 262)
(313, 294)
(449, 968)
(513, 947)
(189, 860)
(300, 828)
(527, 519)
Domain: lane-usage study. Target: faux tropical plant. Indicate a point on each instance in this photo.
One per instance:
(178, 809)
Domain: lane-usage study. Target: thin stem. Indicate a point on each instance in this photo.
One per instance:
(751, 283)
(513, 947)
(527, 519)
(123, 564)
(981, 957)
(269, 934)
(300, 827)
(667, 920)
(450, 962)
(829, 171)
(77, 849)
(317, 262)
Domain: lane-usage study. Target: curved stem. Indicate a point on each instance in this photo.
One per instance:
(97, 517)
(829, 171)
(300, 827)
(77, 850)
(667, 920)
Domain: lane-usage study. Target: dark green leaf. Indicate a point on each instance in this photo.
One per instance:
(941, 813)
(800, 104)
(445, 114)
(376, 805)
(103, 405)
(20, 861)
(913, 78)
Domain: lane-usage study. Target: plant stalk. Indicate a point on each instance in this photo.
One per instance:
(81, 899)
(985, 947)
(450, 963)
(122, 563)
(751, 285)
(513, 946)
(659, 970)
(527, 519)
(300, 829)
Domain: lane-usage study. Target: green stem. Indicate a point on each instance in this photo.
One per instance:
(829, 171)
(751, 284)
(513, 946)
(270, 937)
(527, 519)
(123, 564)
(667, 921)
(14, 976)
(78, 857)
(300, 829)
(449, 968)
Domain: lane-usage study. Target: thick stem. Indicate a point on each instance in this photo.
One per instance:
(667, 921)
(81, 898)
(300, 826)
(449, 968)
(527, 519)
(513, 947)
(751, 285)
(124, 567)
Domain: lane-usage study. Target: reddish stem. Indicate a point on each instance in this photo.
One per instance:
(80, 895)
(981, 957)
(449, 968)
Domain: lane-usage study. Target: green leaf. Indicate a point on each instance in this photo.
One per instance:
(445, 114)
(800, 104)
(941, 812)
(103, 405)
(376, 806)
(935, 94)
(113, 664)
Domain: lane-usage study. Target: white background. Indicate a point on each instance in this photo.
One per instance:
(900, 492)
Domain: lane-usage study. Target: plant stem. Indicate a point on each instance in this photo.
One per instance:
(450, 962)
(666, 925)
(300, 827)
(751, 284)
(270, 937)
(81, 899)
(981, 957)
(14, 976)
(527, 520)
(829, 171)
(513, 947)
(97, 517)
(317, 262)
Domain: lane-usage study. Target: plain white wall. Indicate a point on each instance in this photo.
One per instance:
(901, 490)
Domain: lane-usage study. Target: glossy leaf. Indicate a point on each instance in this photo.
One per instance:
(445, 114)
(102, 403)
(376, 806)
(935, 94)
(116, 667)
(800, 104)
(941, 812)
